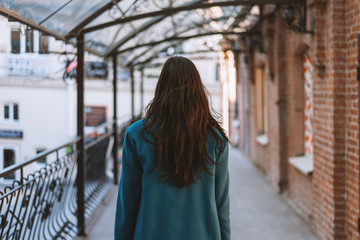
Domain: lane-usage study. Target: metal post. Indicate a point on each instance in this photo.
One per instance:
(237, 71)
(132, 94)
(115, 147)
(142, 91)
(80, 133)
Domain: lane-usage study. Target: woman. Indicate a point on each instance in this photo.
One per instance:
(175, 183)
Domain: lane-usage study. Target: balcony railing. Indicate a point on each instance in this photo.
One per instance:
(42, 205)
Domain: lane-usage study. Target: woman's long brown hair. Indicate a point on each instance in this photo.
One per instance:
(180, 124)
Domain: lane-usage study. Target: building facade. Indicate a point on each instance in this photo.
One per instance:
(298, 111)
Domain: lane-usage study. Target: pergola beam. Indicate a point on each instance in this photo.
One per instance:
(149, 24)
(167, 11)
(149, 59)
(112, 51)
(100, 11)
(13, 15)
(167, 55)
(174, 38)
(145, 26)
(131, 64)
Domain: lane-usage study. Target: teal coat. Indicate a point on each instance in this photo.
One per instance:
(150, 210)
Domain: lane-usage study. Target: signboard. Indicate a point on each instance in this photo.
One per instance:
(28, 65)
(11, 134)
(96, 69)
(95, 115)
(92, 70)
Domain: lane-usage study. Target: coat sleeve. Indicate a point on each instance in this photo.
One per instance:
(129, 192)
(222, 193)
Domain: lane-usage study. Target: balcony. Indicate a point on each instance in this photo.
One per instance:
(42, 204)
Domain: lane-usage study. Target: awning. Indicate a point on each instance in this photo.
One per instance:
(136, 30)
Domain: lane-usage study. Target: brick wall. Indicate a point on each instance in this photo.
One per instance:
(259, 153)
(282, 63)
(279, 59)
(336, 186)
(329, 123)
(300, 193)
(289, 50)
(352, 152)
(283, 72)
(319, 58)
(330, 196)
(265, 156)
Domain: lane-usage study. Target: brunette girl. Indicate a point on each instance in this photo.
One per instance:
(175, 182)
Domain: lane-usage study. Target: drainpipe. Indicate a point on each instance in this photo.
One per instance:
(282, 106)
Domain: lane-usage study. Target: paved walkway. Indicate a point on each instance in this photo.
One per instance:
(257, 211)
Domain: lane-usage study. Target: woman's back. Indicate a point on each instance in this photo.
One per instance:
(174, 183)
(165, 211)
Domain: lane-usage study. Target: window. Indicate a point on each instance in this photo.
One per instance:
(15, 40)
(261, 103)
(11, 112)
(29, 37)
(43, 43)
(6, 112)
(308, 109)
(303, 136)
(42, 159)
(9, 157)
(29, 41)
(16, 112)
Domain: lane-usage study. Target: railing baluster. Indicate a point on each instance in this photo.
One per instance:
(13, 211)
(21, 175)
(35, 216)
(7, 215)
(26, 203)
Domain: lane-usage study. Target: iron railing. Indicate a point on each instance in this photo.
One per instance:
(42, 204)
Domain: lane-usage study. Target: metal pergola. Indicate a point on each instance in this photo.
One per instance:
(131, 33)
